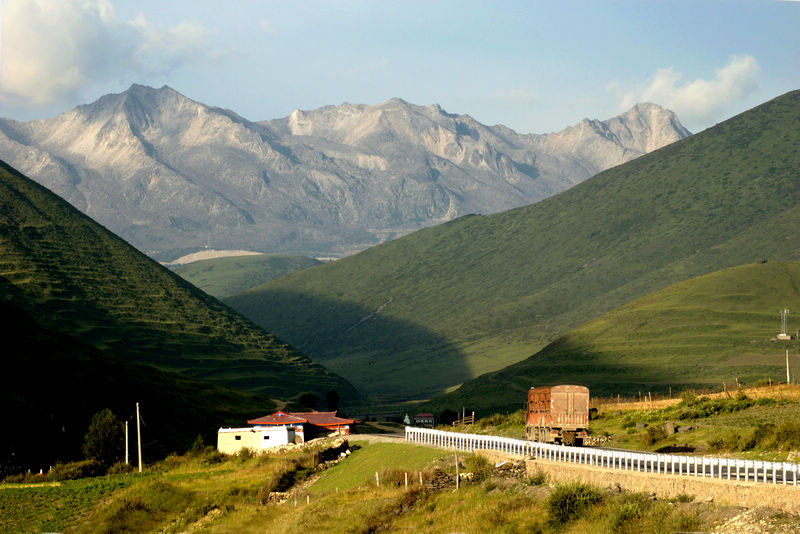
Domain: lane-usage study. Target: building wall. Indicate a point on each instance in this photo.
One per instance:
(232, 440)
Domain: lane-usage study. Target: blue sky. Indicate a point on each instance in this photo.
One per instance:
(533, 66)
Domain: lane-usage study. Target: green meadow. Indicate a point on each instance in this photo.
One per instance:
(223, 277)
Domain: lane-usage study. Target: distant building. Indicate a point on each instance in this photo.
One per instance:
(425, 420)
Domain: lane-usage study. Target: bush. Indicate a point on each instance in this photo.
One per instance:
(653, 434)
(787, 436)
(120, 468)
(212, 456)
(244, 454)
(538, 479)
(628, 507)
(480, 467)
(76, 470)
(568, 501)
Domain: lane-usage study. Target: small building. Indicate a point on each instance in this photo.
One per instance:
(232, 440)
(425, 420)
(324, 424)
(307, 425)
(283, 419)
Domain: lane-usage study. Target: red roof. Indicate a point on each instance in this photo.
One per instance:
(326, 419)
(323, 418)
(278, 418)
(424, 415)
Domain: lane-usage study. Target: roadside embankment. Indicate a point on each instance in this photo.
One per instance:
(730, 492)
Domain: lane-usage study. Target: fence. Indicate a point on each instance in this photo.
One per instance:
(700, 466)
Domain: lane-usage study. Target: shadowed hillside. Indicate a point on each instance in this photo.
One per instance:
(74, 277)
(699, 333)
(501, 287)
(52, 384)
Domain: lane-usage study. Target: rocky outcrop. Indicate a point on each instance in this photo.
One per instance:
(172, 175)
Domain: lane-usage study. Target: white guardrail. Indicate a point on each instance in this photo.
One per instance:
(647, 462)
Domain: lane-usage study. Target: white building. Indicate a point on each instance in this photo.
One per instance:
(257, 439)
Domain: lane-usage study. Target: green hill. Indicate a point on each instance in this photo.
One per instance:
(482, 292)
(716, 328)
(223, 277)
(53, 383)
(74, 277)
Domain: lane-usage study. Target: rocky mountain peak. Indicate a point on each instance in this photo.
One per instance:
(172, 175)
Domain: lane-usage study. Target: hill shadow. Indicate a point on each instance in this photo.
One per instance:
(51, 388)
(379, 354)
(606, 375)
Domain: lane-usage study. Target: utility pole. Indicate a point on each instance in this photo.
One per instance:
(788, 379)
(126, 443)
(139, 436)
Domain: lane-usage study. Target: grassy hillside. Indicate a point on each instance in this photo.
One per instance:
(209, 493)
(698, 333)
(74, 277)
(53, 383)
(223, 277)
(482, 292)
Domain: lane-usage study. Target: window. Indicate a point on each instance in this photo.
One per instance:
(266, 437)
(237, 438)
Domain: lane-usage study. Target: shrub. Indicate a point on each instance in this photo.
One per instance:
(212, 456)
(198, 446)
(480, 467)
(688, 398)
(244, 454)
(653, 434)
(627, 508)
(538, 478)
(787, 436)
(725, 443)
(75, 470)
(120, 468)
(568, 501)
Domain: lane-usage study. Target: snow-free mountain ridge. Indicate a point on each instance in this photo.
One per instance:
(172, 175)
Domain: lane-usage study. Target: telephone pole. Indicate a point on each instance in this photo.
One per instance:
(126, 443)
(139, 436)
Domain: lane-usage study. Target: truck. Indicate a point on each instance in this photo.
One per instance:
(558, 414)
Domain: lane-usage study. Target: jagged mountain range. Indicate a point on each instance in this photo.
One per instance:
(171, 175)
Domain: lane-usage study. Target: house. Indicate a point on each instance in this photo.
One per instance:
(307, 425)
(281, 428)
(283, 419)
(231, 440)
(425, 420)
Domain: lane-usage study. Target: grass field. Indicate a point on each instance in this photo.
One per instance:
(50, 507)
(223, 277)
(375, 458)
(209, 493)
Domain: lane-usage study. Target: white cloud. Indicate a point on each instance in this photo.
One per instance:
(53, 48)
(698, 101)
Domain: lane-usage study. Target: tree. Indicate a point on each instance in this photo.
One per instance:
(104, 439)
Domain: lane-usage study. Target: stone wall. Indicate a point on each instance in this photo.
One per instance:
(736, 493)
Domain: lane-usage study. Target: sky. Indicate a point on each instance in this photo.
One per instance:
(533, 66)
